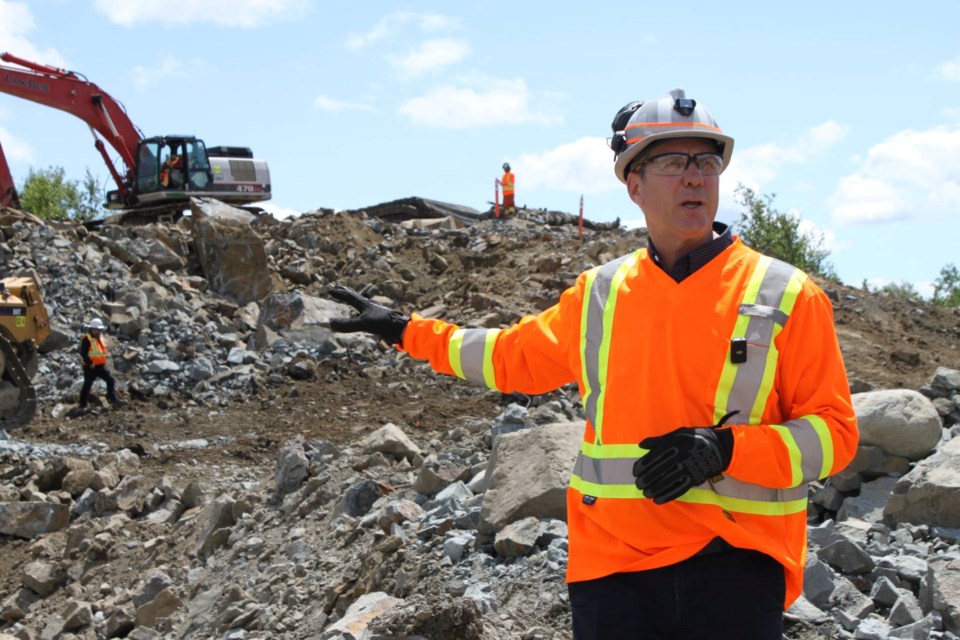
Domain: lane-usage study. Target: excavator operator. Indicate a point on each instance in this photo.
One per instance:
(172, 173)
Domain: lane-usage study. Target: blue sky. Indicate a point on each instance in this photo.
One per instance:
(849, 113)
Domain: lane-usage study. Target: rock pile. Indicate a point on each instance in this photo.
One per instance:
(400, 533)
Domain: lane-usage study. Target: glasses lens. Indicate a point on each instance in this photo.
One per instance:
(669, 164)
(674, 164)
(709, 163)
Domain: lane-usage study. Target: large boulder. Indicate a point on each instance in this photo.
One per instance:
(232, 255)
(930, 493)
(529, 471)
(902, 422)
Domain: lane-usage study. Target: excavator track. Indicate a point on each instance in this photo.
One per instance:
(21, 412)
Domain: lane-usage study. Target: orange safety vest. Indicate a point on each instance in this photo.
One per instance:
(98, 349)
(650, 355)
(508, 181)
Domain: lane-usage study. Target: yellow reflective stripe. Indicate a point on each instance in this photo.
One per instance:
(453, 353)
(608, 451)
(794, 287)
(605, 490)
(729, 373)
(743, 505)
(694, 496)
(489, 373)
(604, 360)
(794, 453)
(826, 443)
(756, 279)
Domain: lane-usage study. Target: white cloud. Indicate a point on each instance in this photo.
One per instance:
(912, 174)
(168, 67)
(16, 22)
(582, 166)
(477, 102)
(758, 165)
(924, 288)
(14, 148)
(950, 70)
(430, 55)
(827, 237)
(761, 163)
(436, 22)
(326, 103)
(389, 24)
(231, 13)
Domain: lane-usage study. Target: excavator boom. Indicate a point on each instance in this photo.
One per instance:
(69, 91)
(8, 190)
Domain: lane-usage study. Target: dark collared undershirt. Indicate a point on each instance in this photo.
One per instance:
(690, 262)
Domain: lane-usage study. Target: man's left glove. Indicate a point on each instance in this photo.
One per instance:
(374, 318)
(682, 459)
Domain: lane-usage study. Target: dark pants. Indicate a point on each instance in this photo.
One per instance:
(729, 595)
(92, 373)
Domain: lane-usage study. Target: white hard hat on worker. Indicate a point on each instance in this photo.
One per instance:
(639, 124)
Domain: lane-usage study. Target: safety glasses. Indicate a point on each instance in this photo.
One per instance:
(674, 164)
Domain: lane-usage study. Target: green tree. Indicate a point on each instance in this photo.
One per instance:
(946, 288)
(93, 193)
(777, 234)
(47, 193)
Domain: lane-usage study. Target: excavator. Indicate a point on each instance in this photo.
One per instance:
(156, 176)
(24, 326)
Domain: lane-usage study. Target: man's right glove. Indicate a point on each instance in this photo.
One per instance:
(374, 318)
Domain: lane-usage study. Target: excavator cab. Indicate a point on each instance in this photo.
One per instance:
(171, 169)
(171, 164)
(24, 325)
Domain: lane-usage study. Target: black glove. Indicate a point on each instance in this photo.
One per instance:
(373, 318)
(682, 459)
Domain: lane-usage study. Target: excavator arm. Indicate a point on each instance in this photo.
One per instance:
(69, 91)
(8, 190)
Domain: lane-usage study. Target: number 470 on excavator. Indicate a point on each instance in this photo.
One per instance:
(158, 175)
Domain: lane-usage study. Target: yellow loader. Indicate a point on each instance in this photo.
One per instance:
(23, 327)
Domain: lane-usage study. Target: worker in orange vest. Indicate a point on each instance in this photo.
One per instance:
(171, 174)
(508, 183)
(93, 355)
(713, 387)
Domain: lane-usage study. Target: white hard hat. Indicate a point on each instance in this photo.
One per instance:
(96, 323)
(639, 124)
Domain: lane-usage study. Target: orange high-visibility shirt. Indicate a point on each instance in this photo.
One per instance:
(666, 363)
(508, 181)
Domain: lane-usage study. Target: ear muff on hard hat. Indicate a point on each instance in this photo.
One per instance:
(639, 124)
(619, 140)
